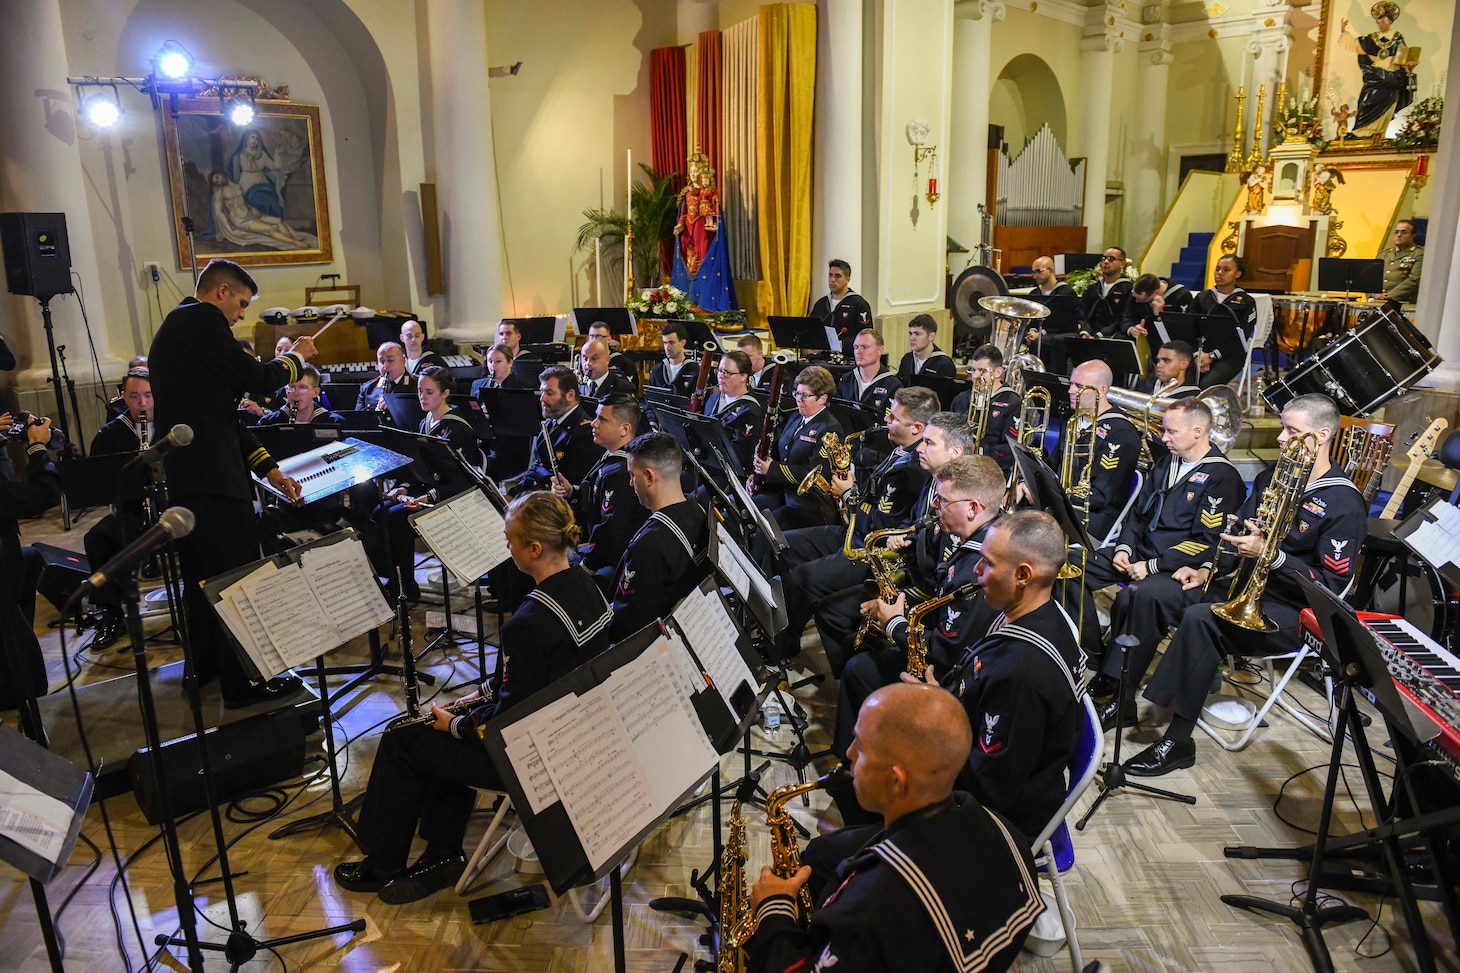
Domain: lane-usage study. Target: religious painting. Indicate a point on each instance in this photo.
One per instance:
(1376, 64)
(253, 193)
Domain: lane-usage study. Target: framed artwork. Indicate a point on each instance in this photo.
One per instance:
(1375, 60)
(254, 193)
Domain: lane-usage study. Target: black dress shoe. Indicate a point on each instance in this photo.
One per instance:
(109, 629)
(427, 875)
(1107, 714)
(360, 876)
(278, 688)
(1162, 757)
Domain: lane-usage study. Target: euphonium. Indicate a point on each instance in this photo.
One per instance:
(737, 922)
(1146, 410)
(917, 646)
(980, 397)
(1274, 518)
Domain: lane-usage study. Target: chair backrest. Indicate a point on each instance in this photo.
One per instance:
(1083, 765)
(1137, 480)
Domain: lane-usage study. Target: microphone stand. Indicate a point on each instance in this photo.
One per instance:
(71, 394)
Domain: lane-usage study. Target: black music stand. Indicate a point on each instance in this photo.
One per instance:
(620, 320)
(536, 331)
(802, 333)
(291, 439)
(1068, 263)
(89, 481)
(701, 335)
(514, 412)
(947, 389)
(1056, 386)
(1118, 353)
(359, 419)
(1064, 312)
(405, 409)
(1350, 275)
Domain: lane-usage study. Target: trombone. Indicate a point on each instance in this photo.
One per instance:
(980, 398)
(1031, 431)
(1077, 467)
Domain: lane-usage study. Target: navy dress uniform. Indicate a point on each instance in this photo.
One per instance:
(663, 562)
(678, 379)
(938, 363)
(1104, 310)
(1242, 310)
(573, 450)
(797, 452)
(1004, 407)
(611, 383)
(742, 419)
(115, 530)
(875, 396)
(850, 316)
(608, 510)
(373, 391)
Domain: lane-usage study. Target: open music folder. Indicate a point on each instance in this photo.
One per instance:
(289, 609)
(466, 532)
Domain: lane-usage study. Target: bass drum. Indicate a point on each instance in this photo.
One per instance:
(972, 324)
(1365, 368)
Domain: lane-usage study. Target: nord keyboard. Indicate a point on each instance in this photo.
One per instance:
(1425, 672)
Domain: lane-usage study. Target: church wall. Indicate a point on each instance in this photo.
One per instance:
(1201, 105)
(1057, 44)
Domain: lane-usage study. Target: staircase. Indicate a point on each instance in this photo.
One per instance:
(1191, 268)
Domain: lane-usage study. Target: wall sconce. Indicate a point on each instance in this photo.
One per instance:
(917, 135)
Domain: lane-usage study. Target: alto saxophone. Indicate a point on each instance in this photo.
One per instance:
(917, 646)
(737, 922)
(785, 848)
(882, 561)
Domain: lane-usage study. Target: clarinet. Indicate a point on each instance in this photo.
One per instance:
(142, 432)
(547, 442)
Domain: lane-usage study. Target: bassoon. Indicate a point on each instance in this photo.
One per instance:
(707, 360)
(768, 425)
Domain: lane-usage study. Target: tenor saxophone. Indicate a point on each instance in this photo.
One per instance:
(882, 561)
(737, 922)
(917, 646)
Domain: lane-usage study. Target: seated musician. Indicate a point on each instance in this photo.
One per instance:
(497, 370)
(255, 403)
(1172, 369)
(1330, 522)
(666, 558)
(925, 357)
(797, 452)
(566, 442)
(1149, 296)
(413, 339)
(1117, 447)
(814, 567)
(619, 362)
(1003, 406)
(1224, 297)
(924, 551)
(434, 391)
(968, 492)
(1174, 525)
(129, 432)
(526, 364)
(599, 380)
(605, 505)
(761, 369)
(1103, 304)
(393, 377)
(1048, 334)
(887, 895)
(424, 773)
(20, 573)
(869, 384)
(738, 411)
(842, 309)
(676, 372)
(303, 407)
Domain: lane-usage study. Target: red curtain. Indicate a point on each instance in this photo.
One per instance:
(708, 102)
(666, 100)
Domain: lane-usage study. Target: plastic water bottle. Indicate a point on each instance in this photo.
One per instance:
(771, 717)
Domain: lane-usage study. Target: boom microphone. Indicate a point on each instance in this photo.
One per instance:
(178, 436)
(175, 522)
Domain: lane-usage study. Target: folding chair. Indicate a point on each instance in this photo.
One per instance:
(1247, 729)
(1138, 480)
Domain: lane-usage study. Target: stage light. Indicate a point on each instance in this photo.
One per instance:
(240, 112)
(101, 110)
(173, 61)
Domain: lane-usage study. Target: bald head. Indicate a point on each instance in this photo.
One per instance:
(1093, 372)
(595, 357)
(1044, 263)
(921, 728)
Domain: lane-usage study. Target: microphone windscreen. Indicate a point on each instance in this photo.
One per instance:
(182, 434)
(177, 521)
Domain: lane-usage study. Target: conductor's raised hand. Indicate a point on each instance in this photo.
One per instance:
(304, 347)
(770, 884)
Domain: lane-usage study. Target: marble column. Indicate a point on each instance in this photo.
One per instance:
(42, 173)
(1100, 42)
(968, 136)
(1271, 39)
(1437, 317)
(1146, 167)
(836, 200)
(466, 171)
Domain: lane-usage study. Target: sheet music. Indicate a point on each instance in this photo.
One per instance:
(249, 628)
(1438, 540)
(1161, 330)
(467, 534)
(742, 572)
(33, 819)
(712, 634)
(342, 579)
(485, 524)
(527, 762)
(832, 341)
(291, 615)
(661, 722)
(591, 760)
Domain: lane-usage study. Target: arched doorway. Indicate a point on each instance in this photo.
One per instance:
(1024, 97)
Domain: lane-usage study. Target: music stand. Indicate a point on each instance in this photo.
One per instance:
(700, 334)
(536, 331)
(405, 409)
(1219, 331)
(620, 320)
(1118, 353)
(359, 419)
(802, 333)
(291, 439)
(1064, 311)
(514, 412)
(1068, 263)
(1056, 386)
(1350, 275)
(89, 481)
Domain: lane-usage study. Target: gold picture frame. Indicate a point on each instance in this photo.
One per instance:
(256, 194)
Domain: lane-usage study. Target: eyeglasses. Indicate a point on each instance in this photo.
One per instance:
(803, 396)
(1107, 257)
(721, 371)
(940, 501)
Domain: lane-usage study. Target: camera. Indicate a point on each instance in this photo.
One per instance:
(22, 420)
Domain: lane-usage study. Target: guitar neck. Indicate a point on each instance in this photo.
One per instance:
(1396, 500)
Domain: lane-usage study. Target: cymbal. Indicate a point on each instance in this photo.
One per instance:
(1432, 471)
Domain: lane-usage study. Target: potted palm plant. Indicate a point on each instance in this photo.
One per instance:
(655, 209)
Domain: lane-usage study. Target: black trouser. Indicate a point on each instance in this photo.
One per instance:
(104, 541)
(1222, 371)
(399, 547)
(815, 568)
(1078, 596)
(421, 776)
(17, 632)
(838, 617)
(1146, 609)
(224, 537)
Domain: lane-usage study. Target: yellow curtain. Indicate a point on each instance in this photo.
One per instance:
(787, 88)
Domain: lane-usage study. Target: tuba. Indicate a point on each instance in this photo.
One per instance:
(1011, 319)
(917, 646)
(1274, 518)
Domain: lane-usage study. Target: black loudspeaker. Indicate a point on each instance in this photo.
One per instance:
(63, 574)
(246, 755)
(37, 254)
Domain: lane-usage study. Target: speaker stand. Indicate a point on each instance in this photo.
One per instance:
(68, 451)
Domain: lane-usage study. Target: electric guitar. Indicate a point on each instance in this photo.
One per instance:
(1422, 449)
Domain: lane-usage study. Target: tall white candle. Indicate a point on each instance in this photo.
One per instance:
(598, 270)
(629, 179)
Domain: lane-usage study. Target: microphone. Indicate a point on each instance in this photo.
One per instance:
(178, 436)
(175, 522)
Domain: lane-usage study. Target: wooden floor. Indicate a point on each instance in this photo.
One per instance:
(1145, 885)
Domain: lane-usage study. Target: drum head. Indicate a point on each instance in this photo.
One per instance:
(975, 283)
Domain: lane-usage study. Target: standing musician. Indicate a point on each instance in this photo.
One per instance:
(797, 451)
(1003, 406)
(441, 420)
(924, 553)
(567, 440)
(738, 411)
(423, 774)
(1048, 334)
(303, 407)
(925, 357)
(666, 558)
(619, 362)
(526, 364)
(1225, 297)
(604, 503)
(869, 384)
(842, 309)
(1117, 448)
(1329, 524)
(1175, 522)
(20, 573)
(968, 492)
(814, 566)
(599, 380)
(198, 373)
(897, 895)
(672, 373)
(127, 433)
(412, 337)
(1103, 303)
(393, 377)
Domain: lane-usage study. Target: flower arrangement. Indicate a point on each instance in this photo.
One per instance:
(1422, 124)
(1081, 279)
(1298, 121)
(662, 302)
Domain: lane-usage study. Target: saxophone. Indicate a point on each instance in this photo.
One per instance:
(737, 922)
(883, 563)
(785, 849)
(917, 646)
(1274, 518)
